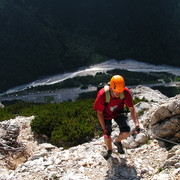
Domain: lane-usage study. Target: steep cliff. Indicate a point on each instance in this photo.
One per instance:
(152, 154)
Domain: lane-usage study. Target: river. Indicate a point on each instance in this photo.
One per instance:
(72, 93)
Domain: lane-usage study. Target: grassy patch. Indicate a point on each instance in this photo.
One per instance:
(66, 124)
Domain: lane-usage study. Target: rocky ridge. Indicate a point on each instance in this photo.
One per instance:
(153, 154)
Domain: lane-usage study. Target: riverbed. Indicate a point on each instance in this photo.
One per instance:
(73, 93)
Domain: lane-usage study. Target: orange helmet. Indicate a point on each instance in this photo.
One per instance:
(117, 83)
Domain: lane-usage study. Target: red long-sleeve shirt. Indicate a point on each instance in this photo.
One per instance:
(115, 106)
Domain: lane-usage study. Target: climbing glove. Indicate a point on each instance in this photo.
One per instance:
(106, 133)
(137, 130)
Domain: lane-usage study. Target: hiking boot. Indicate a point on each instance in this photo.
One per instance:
(107, 154)
(119, 147)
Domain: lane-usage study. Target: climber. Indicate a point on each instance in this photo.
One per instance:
(120, 97)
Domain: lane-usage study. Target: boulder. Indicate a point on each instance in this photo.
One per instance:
(165, 121)
(144, 92)
(166, 110)
(11, 130)
(167, 128)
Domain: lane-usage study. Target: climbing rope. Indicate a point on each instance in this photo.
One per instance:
(166, 140)
(160, 138)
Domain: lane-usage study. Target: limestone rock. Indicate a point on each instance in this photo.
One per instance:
(168, 109)
(144, 158)
(174, 105)
(142, 106)
(168, 127)
(148, 94)
(141, 138)
(10, 130)
(160, 114)
(165, 121)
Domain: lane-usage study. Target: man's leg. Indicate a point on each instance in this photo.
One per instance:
(108, 140)
(122, 136)
(124, 132)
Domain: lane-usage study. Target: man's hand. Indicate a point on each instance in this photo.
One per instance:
(106, 133)
(137, 130)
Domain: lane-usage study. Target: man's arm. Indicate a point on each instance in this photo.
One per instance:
(101, 119)
(134, 116)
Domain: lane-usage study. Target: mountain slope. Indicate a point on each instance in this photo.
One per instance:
(145, 157)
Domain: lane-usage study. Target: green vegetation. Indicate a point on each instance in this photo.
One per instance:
(137, 100)
(41, 39)
(66, 124)
(160, 169)
(5, 114)
(140, 113)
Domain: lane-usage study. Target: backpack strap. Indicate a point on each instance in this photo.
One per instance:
(122, 95)
(107, 94)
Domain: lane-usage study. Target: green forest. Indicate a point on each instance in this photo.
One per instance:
(66, 124)
(39, 38)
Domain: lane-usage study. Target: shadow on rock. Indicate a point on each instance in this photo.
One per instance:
(119, 170)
